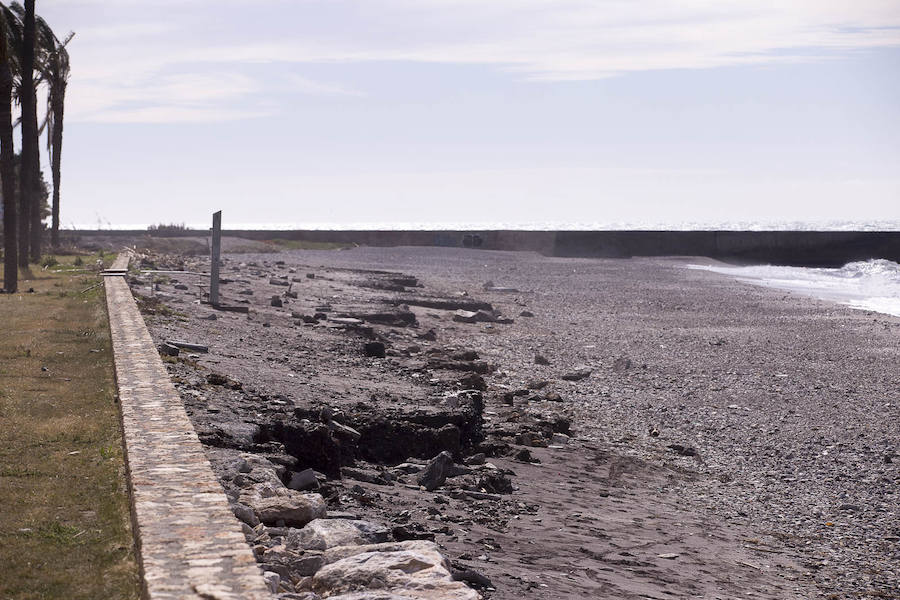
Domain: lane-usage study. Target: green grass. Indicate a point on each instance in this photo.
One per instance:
(65, 529)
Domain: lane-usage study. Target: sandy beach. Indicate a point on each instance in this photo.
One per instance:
(650, 431)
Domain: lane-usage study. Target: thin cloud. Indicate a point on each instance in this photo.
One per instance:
(535, 40)
(174, 114)
(304, 85)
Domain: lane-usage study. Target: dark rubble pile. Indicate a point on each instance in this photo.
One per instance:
(306, 476)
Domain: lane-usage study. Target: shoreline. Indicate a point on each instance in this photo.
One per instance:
(758, 383)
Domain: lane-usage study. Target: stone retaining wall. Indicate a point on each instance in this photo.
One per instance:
(189, 544)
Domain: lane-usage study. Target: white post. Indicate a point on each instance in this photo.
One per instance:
(214, 258)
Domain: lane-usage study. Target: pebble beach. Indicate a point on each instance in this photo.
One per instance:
(706, 438)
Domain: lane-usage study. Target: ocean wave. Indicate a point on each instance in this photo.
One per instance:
(873, 268)
(872, 285)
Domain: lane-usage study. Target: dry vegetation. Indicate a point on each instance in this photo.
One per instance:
(65, 528)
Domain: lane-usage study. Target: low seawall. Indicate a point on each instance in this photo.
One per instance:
(189, 544)
(799, 248)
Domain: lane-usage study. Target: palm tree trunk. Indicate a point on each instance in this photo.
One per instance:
(30, 159)
(7, 168)
(55, 160)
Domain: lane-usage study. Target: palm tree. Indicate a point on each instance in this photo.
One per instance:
(54, 70)
(30, 157)
(15, 44)
(7, 166)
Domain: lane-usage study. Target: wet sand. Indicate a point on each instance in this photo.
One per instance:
(730, 440)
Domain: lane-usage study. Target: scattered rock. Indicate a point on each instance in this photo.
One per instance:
(366, 475)
(476, 459)
(531, 438)
(303, 480)
(477, 366)
(245, 514)
(494, 481)
(392, 319)
(276, 301)
(340, 320)
(465, 316)
(559, 439)
(470, 576)
(374, 349)
(445, 304)
(272, 581)
(412, 531)
(683, 450)
(524, 455)
(578, 374)
(435, 473)
(167, 349)
(472, 381)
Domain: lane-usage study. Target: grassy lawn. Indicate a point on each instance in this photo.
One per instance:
(65, 529)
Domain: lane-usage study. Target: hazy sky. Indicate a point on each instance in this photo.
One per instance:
(518, 111)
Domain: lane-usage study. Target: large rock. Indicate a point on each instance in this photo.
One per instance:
(253, 470)
(322, 534)
(273, 505)
(413, 569)
(436, 472)
(290, 564)
(303, 480)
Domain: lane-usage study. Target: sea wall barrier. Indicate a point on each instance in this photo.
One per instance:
(800, 248)
(189, 544)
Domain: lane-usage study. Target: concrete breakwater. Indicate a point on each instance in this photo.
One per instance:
(798, 248)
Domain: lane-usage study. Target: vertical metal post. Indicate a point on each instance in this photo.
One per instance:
(214, 258)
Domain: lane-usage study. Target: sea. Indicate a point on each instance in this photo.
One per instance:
(758, 225)
(872, 285)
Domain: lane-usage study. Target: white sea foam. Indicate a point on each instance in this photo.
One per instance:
(866, 285)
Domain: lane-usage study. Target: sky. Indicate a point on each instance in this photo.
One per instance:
(515, 112)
